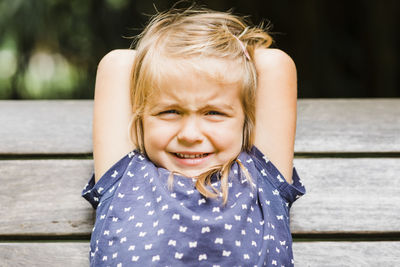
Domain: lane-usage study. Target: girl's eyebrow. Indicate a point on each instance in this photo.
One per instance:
(173, 104)
(163, 105)
(222, 106)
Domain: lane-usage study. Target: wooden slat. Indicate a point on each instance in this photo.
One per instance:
(318, 254)
(348, 125)
(337, 125)
(42, 197)
(324, 254)
(348, 195)
(57, 254)
(46, 126)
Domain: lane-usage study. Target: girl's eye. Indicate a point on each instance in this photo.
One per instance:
(169, 114)
(213, 112)
(171, 111)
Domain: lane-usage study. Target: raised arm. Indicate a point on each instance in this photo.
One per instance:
(112, 110)
(276, 108)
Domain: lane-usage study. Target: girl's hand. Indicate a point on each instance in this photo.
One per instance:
(276, 108)
(112, 110)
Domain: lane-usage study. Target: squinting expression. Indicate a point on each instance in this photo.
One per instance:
(193, 123)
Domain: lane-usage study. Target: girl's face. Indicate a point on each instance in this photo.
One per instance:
(193, 123)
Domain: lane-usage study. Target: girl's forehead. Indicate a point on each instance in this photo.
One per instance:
(218, 70)
(193, 85)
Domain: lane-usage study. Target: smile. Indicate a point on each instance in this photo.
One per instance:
(191, 156)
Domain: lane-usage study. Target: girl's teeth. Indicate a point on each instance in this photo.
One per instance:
(190, 156)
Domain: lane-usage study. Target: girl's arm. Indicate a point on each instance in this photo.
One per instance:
(112, 110)
(276, 108)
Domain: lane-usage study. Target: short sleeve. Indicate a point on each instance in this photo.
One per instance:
(290, 192)
(93, 192)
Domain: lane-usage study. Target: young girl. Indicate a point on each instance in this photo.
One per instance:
(209, 106)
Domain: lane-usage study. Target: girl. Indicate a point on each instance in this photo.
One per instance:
(208, 106)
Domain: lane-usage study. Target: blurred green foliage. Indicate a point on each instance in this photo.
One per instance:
(50, 48)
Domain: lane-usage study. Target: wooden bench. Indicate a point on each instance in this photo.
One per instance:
(347, 153)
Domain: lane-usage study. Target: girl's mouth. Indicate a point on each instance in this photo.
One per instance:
(191, 156)
(190, 159)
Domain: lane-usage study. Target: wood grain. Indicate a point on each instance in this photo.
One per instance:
(45, 126)
(57, 254)
(344, 195)
(318, 254)
(334, 254)
(348, 125)
(324, 125)
(348, 196)
(42, 197)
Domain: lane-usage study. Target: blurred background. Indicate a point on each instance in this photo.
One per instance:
(49, 49)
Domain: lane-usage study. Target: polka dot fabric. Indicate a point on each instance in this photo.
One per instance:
(142, 222)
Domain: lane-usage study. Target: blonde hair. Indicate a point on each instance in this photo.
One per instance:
(190, 34)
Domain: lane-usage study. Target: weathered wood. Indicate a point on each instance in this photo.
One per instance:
(319, 254)
(348, 195)
(55, 254)
(333, 254)
(46, 126)
(345, 195)
(324, 125)
(42, 197)
(348, 125)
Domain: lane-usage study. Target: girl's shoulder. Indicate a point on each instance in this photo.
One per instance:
(262, 171)
(118, 56)
(272, 58)
(95, 190)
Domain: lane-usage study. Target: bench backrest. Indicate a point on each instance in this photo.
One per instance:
(347, 152)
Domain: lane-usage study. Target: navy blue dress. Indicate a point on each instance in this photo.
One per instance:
(142, 222)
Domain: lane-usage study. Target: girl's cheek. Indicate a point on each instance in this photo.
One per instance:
(224, 135)
(159, 131)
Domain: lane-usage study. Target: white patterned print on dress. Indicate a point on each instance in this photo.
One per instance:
(141, 222)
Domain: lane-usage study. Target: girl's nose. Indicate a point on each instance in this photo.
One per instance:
(190, 132)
